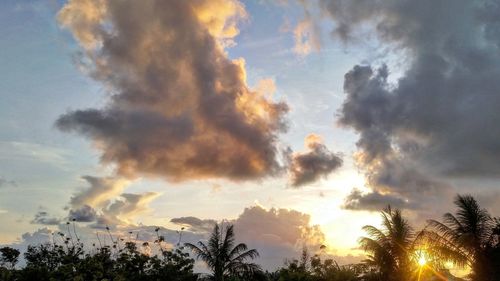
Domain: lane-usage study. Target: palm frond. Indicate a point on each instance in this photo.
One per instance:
(251, 254)
(222, 257)
(375, 233)
(237, 250)
(228, 242)
(201, 252)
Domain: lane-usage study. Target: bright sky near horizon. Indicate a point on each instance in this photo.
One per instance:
(175, 114)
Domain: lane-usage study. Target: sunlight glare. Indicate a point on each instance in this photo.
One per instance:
(421, 259)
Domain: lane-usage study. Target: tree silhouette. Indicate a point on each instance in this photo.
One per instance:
(468, 237)
(9, 257)
(390, 248)
(223, 257)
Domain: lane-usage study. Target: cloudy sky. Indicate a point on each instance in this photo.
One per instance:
(295, 120)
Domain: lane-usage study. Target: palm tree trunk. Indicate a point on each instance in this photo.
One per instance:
(219, 274)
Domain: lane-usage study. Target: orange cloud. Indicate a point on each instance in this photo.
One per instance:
(316, 162)
(178, 108)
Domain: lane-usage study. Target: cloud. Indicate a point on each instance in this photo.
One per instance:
(127, 207)
(42, 217)
(373, 201)
(83, 214)
(307, 34)
(40, 236)
(104, 203)
(178, 108)
(318, 161)
(277, 233)
(100, 192)
(289, 226)
(439, 119)
(195, 224)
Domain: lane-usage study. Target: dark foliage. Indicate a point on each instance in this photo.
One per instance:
(70, 262)
(470, 237)
(226, 259)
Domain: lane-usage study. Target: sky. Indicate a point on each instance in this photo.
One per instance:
(297, 121)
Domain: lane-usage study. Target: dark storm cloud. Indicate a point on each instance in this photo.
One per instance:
(179, 108)
(42, 217)
(318, 161)
(195, 224)
(373, 201)
(83, 214)
(440, 119)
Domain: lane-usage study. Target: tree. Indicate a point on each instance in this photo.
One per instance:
(9, 257)
(223, 257)
(391, 247)
(315, 269)
(330, 270)
(297, 270)
(468, 237)
(54, 262)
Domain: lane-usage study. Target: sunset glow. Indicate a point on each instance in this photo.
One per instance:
(350, 135)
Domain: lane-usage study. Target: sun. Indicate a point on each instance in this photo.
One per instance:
(422, 260)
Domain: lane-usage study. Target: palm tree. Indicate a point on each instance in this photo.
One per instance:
(467, 238)
(222, 256)
(390, 248)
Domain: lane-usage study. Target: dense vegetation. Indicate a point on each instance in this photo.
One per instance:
(470, 238)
